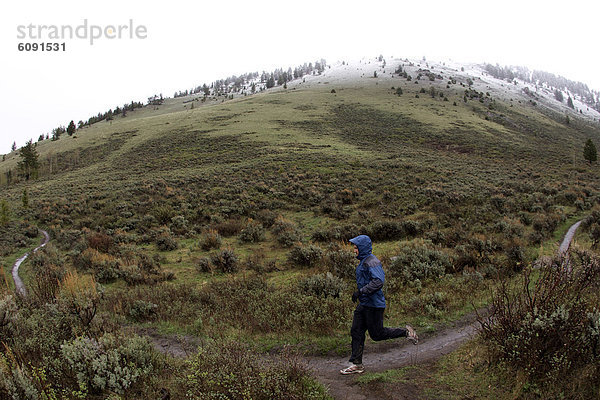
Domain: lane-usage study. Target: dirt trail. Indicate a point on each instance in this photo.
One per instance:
(19, 287)
(566, 243)
(392, 355)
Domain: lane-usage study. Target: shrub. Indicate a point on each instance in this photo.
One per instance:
(179, 225)
(104, 267)
(393, 230)
(8, 311)
(252, 233)
(79, 296)
(341, 261)
(142, 310)
(48, 271)
(100, 241)
(21, 381)
(226, 261)
(230, 371)
(385, 230)
(165, 242)
(203, 264)
(286, 232)
(163, 214)
(110, 363)
(267, 217)
(434, 304)
(306, 255)
(257, 262)
(419, 263)
(548, 330)
(338, 232)
(230, 227)
(210, 240)
(325, 285)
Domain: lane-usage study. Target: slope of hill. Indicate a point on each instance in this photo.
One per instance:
(222, 220)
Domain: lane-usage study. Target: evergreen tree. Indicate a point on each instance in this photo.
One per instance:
(589, 151)
(14, 146)
(29, 163)
(558, 95)
(570, 102)
(71, 128)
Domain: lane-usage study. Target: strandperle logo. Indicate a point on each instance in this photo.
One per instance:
(85, 31)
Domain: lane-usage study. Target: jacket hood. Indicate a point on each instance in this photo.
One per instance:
(365, 247)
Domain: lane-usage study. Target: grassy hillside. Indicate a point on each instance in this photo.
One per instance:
(222, 221)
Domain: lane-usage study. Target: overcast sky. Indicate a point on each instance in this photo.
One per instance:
(186, 43)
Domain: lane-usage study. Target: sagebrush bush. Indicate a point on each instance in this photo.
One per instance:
(179, 225)
(103, 266)
(21, 381)
(230, 227)
(100, 241)
(256, 306)
(163, 214)
(434, 304)
(342, 261)
(386, 230)
(8, 312)
(210, 240)
(286, 232)
(48, 270)
(231, 371)
(203, 264)
(257, 261)
(548, 329)
(267, 217)
(253, 232)
(418, 262)
(226, 261)
(79, 295)
(306, 255)
(109, 363)
(142, 310)
(325, 285)
(165, 242)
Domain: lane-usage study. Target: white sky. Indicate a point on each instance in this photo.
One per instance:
(192, 42)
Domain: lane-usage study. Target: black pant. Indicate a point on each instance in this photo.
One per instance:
(371, 319)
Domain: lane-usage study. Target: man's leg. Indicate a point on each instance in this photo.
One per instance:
(359, 327)
(374, 322)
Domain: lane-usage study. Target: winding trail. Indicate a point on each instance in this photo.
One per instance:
(19, 286)
(566, 243)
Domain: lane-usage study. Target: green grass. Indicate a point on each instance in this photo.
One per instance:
(392, 375)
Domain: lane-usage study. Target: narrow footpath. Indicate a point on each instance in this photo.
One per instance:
(19, 287)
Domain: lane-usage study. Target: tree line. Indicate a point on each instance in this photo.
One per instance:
(509, 74)
(254, 81)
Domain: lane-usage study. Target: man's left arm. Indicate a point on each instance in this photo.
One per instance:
(376, 281)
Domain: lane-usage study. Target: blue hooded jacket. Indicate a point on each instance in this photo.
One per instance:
(369, 274)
